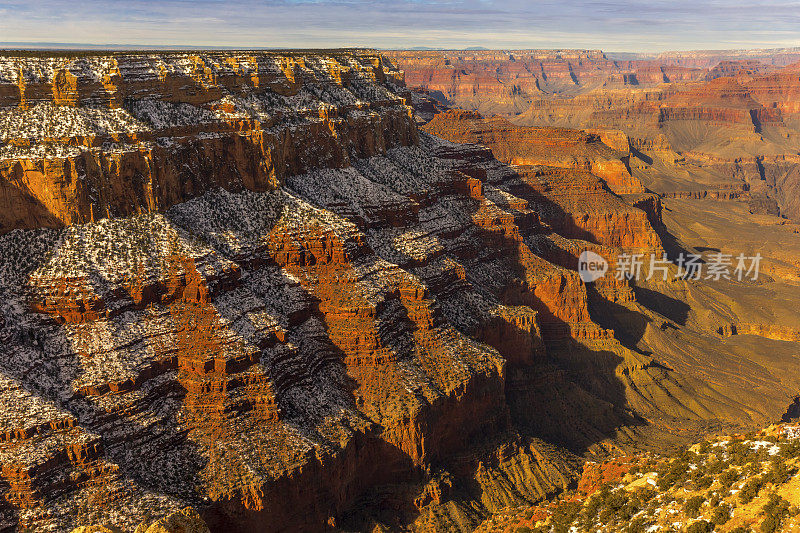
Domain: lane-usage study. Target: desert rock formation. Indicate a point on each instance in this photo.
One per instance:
(716, 124)
(246, 284)
(114, 136)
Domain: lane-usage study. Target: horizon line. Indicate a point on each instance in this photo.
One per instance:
(77, 46)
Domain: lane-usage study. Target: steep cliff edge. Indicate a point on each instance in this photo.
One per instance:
(278, 337)
(504, 82)
(555, 147)
(569, 174)
(89, 137)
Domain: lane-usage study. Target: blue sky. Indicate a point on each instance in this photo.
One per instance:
(615, 25)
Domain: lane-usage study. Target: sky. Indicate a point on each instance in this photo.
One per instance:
(610, 25)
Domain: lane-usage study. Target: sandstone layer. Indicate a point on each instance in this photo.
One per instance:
(731, 118)
(554, 147)
(99, 136)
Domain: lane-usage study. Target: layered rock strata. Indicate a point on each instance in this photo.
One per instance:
(505, 81)
(310, 328)
(90, 137)
(729, 123)
(395, 336)
(540, 146)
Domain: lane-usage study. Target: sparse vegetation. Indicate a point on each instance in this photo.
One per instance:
(563, 516)
(775, 510)
(750, 489)
(734, 475)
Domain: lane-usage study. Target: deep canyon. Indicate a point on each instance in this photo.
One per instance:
(338, 290)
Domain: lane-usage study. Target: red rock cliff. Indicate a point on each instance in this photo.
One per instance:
(117, 135)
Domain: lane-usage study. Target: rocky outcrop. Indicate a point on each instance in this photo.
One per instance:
(710, 58)
(573, 201)
(769, 181)
(504, 82)
(90, 137)
(769, 331)
(368, 334)
(777, 91)
(209, 346)
(748, 67)
(728, 120)
(577, 206)
(539, 146)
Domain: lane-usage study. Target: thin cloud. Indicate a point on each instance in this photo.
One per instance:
(620, 25)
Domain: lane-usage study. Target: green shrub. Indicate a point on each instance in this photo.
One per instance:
(778, 472)
(790, 449)
(715, 467)
(563, 516)
(701, 526)
(728, 477)
(775, 510)
(704, 482)
(627, 511)
(595, 504)
(753, 468)
(740, 453)
(721, 514)
(769, 525)
(637, 525)
(672, 474)
(612, 505)
(692, 506)
(762, 454)
(750, 489)
(645, 495)
(689, 456)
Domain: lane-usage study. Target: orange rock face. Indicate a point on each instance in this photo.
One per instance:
(503, 82)
(539, 146)
(574, 202)
(171, 136)
(728, 117)
(300, 333)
